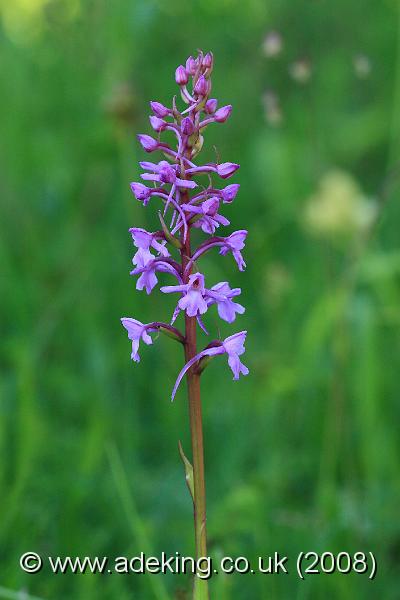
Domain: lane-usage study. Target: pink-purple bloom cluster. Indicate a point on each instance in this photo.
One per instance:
(188, 200)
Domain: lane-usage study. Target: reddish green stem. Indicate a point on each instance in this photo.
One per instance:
(200, 590)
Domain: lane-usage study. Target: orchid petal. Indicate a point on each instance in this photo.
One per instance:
(208, 352)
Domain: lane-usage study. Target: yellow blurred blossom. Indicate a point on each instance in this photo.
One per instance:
(23, 20)
(339, 206)
(301, 70)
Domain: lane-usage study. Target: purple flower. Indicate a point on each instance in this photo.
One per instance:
(148, 143)
(144, 240)
(181, 76)
(223, 113)
(136, 332)
(227, 169)
(157, 123)
(141, 192)
(148, 278)
(233, 346)
(235, 243)
(229, 192)
(193, 300)
(159, 109)
(210, 219)
(163, 172)
(227, 309)
(171, 181)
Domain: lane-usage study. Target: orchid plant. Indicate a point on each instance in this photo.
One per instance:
(188, 204)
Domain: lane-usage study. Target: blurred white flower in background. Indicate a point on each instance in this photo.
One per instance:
(339, 207)
(273, 44)
(362, 66)
(301, 70)
(272, 108)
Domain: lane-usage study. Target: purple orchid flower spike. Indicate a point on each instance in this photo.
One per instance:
(190, 198)
(233, 346)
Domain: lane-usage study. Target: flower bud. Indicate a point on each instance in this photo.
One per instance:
(227, 169)
(191, 65)
(229, 193)
(148, 143)
(187, 126)
(223, 113)
(157, 124)
(208, 61)
(202, 87)
(140, 191)
(181, 76)
(211, 106)
(159, 109)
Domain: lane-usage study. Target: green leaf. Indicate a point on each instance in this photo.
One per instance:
(188, 470)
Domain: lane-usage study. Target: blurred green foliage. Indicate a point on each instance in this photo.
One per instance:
(304, 453)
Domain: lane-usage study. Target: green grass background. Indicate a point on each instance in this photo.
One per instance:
(301, 455)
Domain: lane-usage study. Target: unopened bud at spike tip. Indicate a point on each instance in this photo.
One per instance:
(181, 76)
(208, 61)
(201, 88)
(191, 65)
